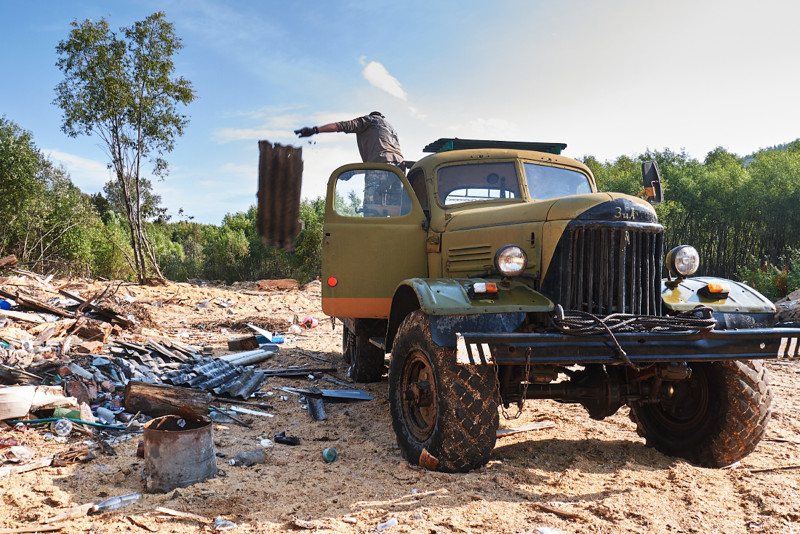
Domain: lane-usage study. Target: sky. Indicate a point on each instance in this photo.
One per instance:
(610, 78)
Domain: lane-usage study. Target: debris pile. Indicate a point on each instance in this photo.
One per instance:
(788, 310)
(85, 366)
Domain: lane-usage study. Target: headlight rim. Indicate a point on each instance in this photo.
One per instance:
(672, 261)
(506, 272)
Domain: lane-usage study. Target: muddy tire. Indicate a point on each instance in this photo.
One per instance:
(715, 418)
(367, 362)
(437, 405)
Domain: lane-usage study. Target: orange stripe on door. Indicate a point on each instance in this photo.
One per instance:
(362, 308)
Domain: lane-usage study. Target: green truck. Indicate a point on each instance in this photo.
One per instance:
(495, 272)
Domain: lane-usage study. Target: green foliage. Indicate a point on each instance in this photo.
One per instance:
(774, 281)
(46, 221)
(111, 249)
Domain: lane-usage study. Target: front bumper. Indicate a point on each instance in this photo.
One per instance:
(641, 348)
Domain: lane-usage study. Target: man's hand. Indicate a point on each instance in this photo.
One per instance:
(306, 132)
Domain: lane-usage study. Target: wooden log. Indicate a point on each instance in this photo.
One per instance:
(243, 343)
(156, 400)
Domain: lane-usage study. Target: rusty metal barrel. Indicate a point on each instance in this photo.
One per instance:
(178, 452)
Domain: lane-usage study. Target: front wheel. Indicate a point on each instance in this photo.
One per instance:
(440, 406)
(714, 418)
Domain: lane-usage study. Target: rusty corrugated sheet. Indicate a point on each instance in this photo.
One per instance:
(280, 172)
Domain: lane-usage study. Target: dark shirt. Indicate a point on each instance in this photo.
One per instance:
(377, 140)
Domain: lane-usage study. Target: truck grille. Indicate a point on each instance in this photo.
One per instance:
(606, 268)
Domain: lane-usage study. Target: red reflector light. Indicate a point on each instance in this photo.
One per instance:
(332, 281)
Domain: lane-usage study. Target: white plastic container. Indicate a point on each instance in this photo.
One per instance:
(15, 401)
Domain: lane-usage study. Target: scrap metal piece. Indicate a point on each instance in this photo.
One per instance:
(280, 172)
(244, 385)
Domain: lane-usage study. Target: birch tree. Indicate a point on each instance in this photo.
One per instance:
(122, 88)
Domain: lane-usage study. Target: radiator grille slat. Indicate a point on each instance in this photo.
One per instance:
(612, 269)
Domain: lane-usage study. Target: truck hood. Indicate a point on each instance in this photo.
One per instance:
(593, 206)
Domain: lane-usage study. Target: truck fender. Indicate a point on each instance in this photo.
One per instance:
(741, 307)
(451, 309)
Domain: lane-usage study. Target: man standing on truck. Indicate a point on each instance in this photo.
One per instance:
(377, 140)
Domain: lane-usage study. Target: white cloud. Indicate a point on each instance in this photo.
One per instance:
(377, 75)
(88, 175)
(227, 135)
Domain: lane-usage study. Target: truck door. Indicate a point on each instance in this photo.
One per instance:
(375, 233)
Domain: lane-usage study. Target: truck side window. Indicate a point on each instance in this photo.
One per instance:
(370, 193)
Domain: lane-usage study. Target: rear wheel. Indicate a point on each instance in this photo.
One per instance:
(440, 406)
(714, 418)
(367, 362)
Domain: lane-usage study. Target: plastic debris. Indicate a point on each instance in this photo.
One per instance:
(223, 524)
(392, 522)
(20, 453)
(62, 427)
(106, 416)
(116, 502)
(282, 438)
(248, 458)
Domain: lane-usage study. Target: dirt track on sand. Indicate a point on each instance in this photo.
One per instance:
(578, 476)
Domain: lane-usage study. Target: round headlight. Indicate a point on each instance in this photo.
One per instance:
(683, 261)
(511, 260)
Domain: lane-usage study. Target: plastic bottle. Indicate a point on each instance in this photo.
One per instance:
(248, 458)
(116, 502)
(62, 427)
(105, 416)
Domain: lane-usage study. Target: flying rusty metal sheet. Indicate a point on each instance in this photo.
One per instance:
(280, 174)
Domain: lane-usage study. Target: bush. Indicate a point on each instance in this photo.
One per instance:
(774, 281)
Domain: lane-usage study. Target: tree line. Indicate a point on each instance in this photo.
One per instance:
(740, 213)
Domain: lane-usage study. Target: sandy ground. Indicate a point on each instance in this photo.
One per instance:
(578, 476)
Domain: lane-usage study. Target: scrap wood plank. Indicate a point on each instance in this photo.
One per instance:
(110, 315)
(32, 528)
(23, 316)
(27, 301)
(502, 432)
(71, 513)
(558, 511)
(24, 468)
(186, 515)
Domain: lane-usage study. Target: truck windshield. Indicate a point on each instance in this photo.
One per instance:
(546, 182)
(457, 184)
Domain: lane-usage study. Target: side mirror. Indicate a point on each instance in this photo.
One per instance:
(652, 183)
